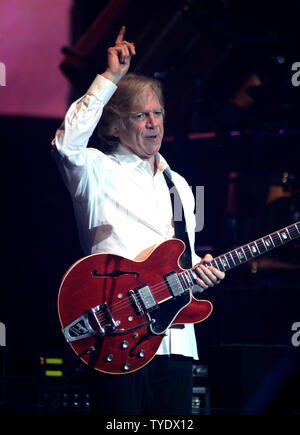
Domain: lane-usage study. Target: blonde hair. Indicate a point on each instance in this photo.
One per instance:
(121, 104)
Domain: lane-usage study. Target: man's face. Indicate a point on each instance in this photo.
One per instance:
(142, 132)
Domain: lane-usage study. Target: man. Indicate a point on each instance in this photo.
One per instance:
(122, 205)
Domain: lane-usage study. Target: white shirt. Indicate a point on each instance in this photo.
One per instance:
(119, 205)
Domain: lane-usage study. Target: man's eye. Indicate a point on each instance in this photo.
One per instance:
(139, 116)
(158, 113)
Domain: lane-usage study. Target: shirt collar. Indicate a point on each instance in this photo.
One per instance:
(127, 158)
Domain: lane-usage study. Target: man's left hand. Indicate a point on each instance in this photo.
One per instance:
(208, 276)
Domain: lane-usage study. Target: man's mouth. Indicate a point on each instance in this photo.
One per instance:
(152, 137)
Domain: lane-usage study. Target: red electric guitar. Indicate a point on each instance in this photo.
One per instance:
(114, 311)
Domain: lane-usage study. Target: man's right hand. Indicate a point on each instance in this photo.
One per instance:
(118, 58)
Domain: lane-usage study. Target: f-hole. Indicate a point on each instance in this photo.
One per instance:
(114, 274)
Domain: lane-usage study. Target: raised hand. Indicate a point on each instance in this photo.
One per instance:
(119, 57)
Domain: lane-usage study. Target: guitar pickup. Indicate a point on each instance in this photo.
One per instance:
(143, 299)
(174, 284)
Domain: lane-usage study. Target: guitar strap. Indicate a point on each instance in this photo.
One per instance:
(179, 230)
(179, 225)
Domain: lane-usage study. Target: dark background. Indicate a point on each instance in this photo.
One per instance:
(226, 71)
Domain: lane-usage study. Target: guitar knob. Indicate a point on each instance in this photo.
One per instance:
(124, 344)
(126, 367)
(109, 357)
(141, 353)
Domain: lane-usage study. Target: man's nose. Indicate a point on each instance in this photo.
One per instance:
(151, 121)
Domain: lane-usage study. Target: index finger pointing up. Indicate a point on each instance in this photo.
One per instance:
(121, 34)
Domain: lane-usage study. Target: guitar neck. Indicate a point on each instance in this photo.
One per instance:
(256, 248)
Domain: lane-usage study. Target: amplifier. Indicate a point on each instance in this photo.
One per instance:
(201, 401)
(200, 371)
(62, 387)
(2, 375)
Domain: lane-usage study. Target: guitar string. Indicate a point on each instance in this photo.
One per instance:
(119, 306)
(159, 287)
(156, 289)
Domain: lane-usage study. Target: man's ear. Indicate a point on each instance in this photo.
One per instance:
(115, 131)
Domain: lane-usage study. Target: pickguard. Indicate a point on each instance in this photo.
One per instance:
(167, 311)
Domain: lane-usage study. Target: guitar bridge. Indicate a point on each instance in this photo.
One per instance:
(90, 324)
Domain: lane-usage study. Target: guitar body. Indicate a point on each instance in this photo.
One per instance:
(114, 311)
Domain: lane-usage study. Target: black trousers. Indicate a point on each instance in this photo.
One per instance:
(162, 387)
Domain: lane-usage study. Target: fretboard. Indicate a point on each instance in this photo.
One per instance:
(256, 248)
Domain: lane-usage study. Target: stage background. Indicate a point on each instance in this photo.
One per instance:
(232, 126)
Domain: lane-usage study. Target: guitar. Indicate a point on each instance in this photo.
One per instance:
(114, 312)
